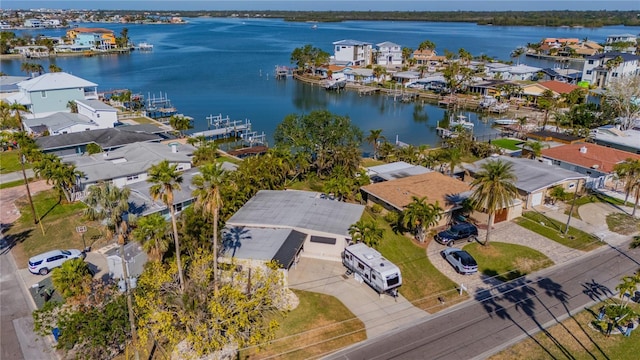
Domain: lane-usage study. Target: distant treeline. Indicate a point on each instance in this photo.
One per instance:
(524, 18)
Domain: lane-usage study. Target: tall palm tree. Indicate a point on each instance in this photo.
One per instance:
(535, 147)
(180, 123)
(367, 232)
(373, 138)
(54, 68)
(63, 176)
(208, 199)
(152, 232)
(493, 189)
(166, 179)
(454, 158)
(26, 146)
(419, 215)
(72, 279)
(427, 45)
(517, 53)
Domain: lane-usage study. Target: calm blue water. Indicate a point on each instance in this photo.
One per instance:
(213, 66)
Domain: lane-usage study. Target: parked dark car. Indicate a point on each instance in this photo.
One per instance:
(461, 260)
(456, 233)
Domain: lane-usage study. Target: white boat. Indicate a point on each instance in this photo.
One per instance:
(143, 46)
(487, 101)
(505, 121)
(461, 120)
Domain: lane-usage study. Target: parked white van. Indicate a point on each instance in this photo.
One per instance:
(43, 263)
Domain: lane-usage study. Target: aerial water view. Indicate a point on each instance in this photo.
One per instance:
(319, 179)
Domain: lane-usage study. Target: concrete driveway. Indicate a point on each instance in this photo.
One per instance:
(380, 314)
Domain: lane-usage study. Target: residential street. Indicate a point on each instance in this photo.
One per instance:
(502, 316)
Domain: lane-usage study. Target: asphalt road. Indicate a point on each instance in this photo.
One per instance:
(499, 317)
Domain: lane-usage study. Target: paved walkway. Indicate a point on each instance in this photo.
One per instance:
(15, 176)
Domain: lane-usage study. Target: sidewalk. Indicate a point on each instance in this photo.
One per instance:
(15, 176)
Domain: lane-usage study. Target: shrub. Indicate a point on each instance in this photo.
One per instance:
(392, 217)
(377, 208)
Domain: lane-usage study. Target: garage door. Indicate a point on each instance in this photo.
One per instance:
(536, 199)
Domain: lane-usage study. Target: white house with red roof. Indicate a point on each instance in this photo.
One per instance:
(596, 161)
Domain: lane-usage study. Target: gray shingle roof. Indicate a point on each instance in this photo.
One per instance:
(106, 138)
(297, 209)
(532, 175)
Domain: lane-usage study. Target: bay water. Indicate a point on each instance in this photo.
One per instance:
(226, 66)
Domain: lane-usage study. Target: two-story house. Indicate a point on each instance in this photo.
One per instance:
(51, 92)
(625, 43)
(388, 53)
(352, 52)
(96, 38)
(599, 69)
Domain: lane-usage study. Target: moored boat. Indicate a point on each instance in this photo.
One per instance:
(461, 120)
(505, 121)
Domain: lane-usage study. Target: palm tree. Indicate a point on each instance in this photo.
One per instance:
(63, 176)
(420, 215)
(53, 68)
(208, 198)
(166, 179)
(180, 123)
(72, 105)
(629, 171)
(373, 138)
(378, 72)
(535, 147)
(517, 53)
(547, 102)
(493, 189)
(72, 279)
(367, 232)
(152, 232)
(427, 45)
(454, 158)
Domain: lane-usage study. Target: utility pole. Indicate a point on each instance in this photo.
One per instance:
(573, 203)
(127, 281)
(26, 184)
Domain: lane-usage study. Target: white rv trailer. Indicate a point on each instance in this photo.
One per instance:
(381, 274)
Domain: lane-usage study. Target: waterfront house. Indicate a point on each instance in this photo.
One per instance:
(51, 92)
(91, 115)
(388, 53)
(73, 144)
(284, 225)
(611, 136)
(601, 68)
(560, 88)
(593, 160)
(625, 43)
(534, 179)
(511, 72)
(404, 77)
(570, 76)
(130, 163)
(32, 51)
(353, 52)
(394, 170)
(427, 57)
(9, 85)
(96, 38)
(359, 75)
(547, 136)
(33, 23)
(582, 49)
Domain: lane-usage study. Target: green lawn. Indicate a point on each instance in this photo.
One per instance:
(368, 162)
(597, 197)
(14, 183)
(320, 324)
(575, 336)
(422, 283)
(509, 144)
(623, 224)
(554, 230)
(507, 261)
(10, 162)
(57, 229)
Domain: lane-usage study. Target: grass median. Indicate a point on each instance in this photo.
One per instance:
(507, 262)
(554, 230)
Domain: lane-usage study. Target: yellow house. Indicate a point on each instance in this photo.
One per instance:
(106, 36)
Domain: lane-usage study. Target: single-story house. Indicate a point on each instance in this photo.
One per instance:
(534, 178)
(405, 76)
(359, 75)
(130, 163)
(141, 203)
(394, 170)
(571, 76)
(595, 161)
(284, 225)
(612, 136)
(107, 139)
(513, 72)
(448, 192)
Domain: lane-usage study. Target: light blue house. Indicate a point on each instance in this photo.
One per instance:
(51, 92)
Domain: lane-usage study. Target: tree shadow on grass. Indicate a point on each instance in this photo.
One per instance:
(504, 277)
(554, 290)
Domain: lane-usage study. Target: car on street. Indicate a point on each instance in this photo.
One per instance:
(461, 260)
(45, 262)
(456, 233)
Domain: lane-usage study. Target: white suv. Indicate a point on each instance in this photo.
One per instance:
(43, 263)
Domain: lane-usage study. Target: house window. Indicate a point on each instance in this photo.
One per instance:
(572, 185)
(133, 177)
(43, 93)
(614, 74)
(589, 72)
(556, 162)
(590, 62)
(337, 48)
(98, 116)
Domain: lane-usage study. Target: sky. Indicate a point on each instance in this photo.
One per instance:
(323, 5)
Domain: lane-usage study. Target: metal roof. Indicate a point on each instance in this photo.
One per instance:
(59, 120)
(97, 105)
(532, 175)
(297, 209)
(55, 81)
(106, 138)
(396, 170)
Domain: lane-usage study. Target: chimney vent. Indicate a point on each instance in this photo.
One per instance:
(583, 150)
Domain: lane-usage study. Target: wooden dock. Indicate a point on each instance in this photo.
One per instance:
(224, 128)
(367, 90)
